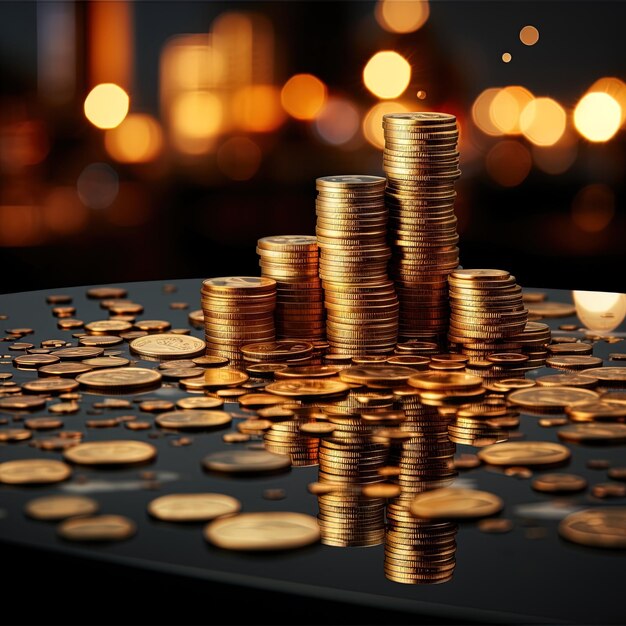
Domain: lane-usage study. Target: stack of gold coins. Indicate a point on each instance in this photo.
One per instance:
(291, 351)
(360, 301)
(422, 164)
(478, 424)
(284, 437)
(292, 261)
(237, 310)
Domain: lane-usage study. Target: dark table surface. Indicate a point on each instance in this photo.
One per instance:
(168, 573)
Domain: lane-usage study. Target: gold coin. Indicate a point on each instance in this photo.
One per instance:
(259, 400)
(280, 530)
(125, 378)
(246, 461)
(14, 434)
(559, 483)
(118, 452)
(196, 419)
(59, 507)
(608, 375)
(574, 362)
(593, 433)
(444, 381)
(50, 385)
(600, 410)
(379, 374)
(277, 350)
(524, 453)
(598, 528)
(78, 353)
(307, 387)
(168, 346)
(108, 327)
(224, 377)
(551, 398)
(381, 490)
(211, 361)
(307, 371)
(551, 309)
(239, 284)
(200, 402)
(317, 429)
(97, 528)
(102, 293)
(450, 503)
(106, 362)
(568, 380)
(153, 326)
(22, 403)
(193, 507)
(33, 472)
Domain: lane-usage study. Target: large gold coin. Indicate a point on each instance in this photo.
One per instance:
(120, 379)
(609, 375)
(121, 452)
(97, 528)
(444, 381)
(168, 346)
(193, 507)
(200, 402)
(599, 528)
(307, 387)
(450, 503)
(108, 327)
(550, 398)
(195, 419)
(559, 483)
(597, 410)
(34, 471)
(524, 453)
(246, 461)
(380, 374)
(593, 433)
(281, 530)
(59, 507)
(224, 377)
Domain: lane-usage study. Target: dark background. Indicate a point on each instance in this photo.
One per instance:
(181, 216)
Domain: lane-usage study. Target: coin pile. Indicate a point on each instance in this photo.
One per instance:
(237, 310)
(480, 424)
(422, 163)
(292, 261)
(360, 301)
(284, 437)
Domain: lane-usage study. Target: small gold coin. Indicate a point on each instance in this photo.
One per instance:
(593, 433)
(168, 346)
(22, 403)
(193, 507)
(195, 419)
(307, 371)
(380, 374)
(50, 385)
(246, 461)
(97, 528)
(609, 375)
(317, 429)
(281, 530)
(307, 387)
(597, 410)
(260, 400)
(550, 398)
(211, 361)
(15, 434)
(495, 525)
(559, 483)
(200, 402)
(524, 453)
(119, 452)
(120, 379)
(108, 327)
(102, 293)
(381, 490)
(106, 362)
(599, 528)
(450, 503)
(43, 423)
(568, 380)
(34, 472)
(59, 507)
(444, 381)
(224, 377)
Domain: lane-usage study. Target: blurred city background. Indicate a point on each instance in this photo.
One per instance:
(153, 140)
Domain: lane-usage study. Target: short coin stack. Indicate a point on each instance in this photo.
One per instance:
(237, 310)
(360, 301)
(284, 437)
(422, 163)
(292, 261)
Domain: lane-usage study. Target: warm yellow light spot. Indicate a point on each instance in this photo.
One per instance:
(138, 139)
(506, 57)
(508, 163)
(615, 88)
(303, 96)
(558, 158)
(421, 94)
(599, 310)
(529, 35)
(402, 16)
(338, 122)
(239, 158)
(387, 74)
(597, 116)
(506, 107)
(195, 119)
(106, 105)
(373, 121)
(480, 112)
(593, 208)
(257, 109)
(543, 121)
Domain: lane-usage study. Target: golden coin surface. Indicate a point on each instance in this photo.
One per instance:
(19, 403)
(593, 433)
(200, 402)
(280, 530)
(50, 385)
(450, 503)
(317, 429)
(106, 362)
(120, 378)
(33, 472)
(598, 528)
(307, 371)
(168, 346)
(15, 434)
(444, 381)
(238, 283)
(193, 507)
(385, 374)
(108, 327)
(224, 377)
(524, 453)
(97, 528)
(307, 387)
(118, 452)
(559, 483)
(568, 380)
(285, 349)
(551, 398)
(608, 374)
(600, 410)
(246, 461)
(195, 419)
(59, 507)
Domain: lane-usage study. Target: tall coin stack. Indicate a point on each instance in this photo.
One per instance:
(360, 301)
(237, 310)
(422, 164)
(292, 261)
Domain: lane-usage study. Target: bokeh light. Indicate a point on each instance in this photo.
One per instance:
(138, 139)
(239, 158)
(21, 225)
(481, 112)
(303, 96)
(508, 163)
(597, 116)
(421, 94)
(106, 105)
(558, 158)
(529, 35)
(338, 122)
(402, 16)
(257, 108)
(196, 118)
(387, 74)
(615, 88)
(98, 185)
(506, 57)
(543, 121)
(506, 108)
(593, 208)
(63, 212)
(373, 121)
(600, 311)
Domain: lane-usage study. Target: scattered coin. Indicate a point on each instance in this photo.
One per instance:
(58, 507)
(246, 461)
(594, 433)
(120, 379)
(495, 525)
(168, 346)
(525, 453)
(97, 528)
(194, 419)
(450, 503)
(193, 507)
(118, 452)
(559, 483)
(33, 472)
(599, 528)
